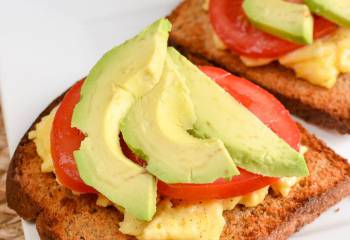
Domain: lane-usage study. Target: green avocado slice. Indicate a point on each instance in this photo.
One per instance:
(156, 127)
(337, 11)
(251, 144)
(289, 21)
(122, 75)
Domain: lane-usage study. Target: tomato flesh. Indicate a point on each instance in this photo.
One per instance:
(234, 29)
(269, 110)
(65, 140)
(129, 154)
(239, 185)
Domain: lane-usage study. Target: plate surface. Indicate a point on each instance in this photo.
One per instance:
(45, 46)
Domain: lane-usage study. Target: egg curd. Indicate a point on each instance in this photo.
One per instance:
(320, 63)
(41, 137)
(202, 220)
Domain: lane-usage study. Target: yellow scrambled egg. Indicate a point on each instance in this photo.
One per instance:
(185, 221)
(200, 221)
(256, 62)
(41, 137)
(320, 63)
(323, 61)
(196, 221)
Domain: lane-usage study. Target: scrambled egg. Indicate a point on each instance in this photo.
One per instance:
(185, 221)
(255, 62)
(197, 221)
(323, 61)
(41, 137)
(205, 5)
(219, 44)
(283, 185)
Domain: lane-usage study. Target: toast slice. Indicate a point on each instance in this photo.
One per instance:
(192, 33)
(59, 214)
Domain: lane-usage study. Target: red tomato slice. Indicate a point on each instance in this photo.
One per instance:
(269, 110)
(239, 185)
(65, 140)
(129, 154)
(234, 29)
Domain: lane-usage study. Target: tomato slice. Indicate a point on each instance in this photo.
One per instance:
(239, 185)
(269, 110)
(234, 29)
(65, 140)
(129, 154)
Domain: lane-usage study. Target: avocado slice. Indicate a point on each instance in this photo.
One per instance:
(123, 74)
(287, 20)
(156, 128)
(251, 144)
(337, 11)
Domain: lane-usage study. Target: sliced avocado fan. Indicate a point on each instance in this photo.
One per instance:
(156, 128)
(251, 144)
(287, 20)
(122, 75)
(157, 98)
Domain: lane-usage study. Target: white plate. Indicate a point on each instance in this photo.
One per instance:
(47, 45)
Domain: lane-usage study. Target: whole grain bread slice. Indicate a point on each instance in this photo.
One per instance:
(59, 214)
(192, 33)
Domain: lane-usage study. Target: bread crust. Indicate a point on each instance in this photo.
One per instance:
(59, 214)
(330, 108)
